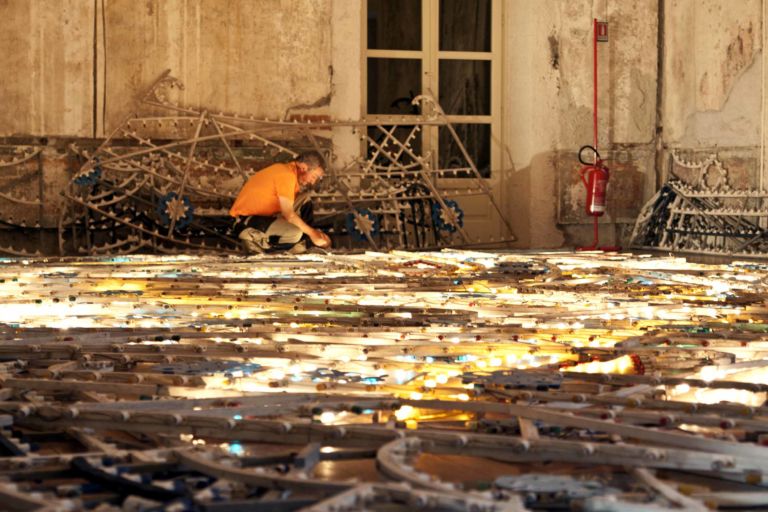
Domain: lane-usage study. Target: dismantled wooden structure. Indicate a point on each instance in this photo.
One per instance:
(449, 380)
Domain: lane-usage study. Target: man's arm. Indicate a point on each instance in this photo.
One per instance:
(318, 238)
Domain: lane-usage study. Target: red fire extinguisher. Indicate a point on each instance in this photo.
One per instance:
(595, 174)
(595, 178)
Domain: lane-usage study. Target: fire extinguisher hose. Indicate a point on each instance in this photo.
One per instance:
(597, 160)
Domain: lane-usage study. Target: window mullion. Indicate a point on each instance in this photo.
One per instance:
(431, 29)
(395, 54)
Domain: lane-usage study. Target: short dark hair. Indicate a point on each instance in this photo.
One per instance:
(312, 159)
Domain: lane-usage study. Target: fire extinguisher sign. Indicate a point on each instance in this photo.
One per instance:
(602, 31)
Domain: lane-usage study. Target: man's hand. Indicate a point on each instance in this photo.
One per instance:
(320, 239)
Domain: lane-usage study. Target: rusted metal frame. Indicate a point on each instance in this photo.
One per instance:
(170, 154)
(93, 443)
(388, 186)
(193, 223)
(88, 165)
(503, 448)
(114, 187)
(226, 135)
(18, 200)
(412, 168)
(288, 402)
(229, 149)
(148, 355)
(253, 135)
(127, 246)
(19, 252)
(345, 193)
(379, 150)
(41, 196)
(150, 171)
(35, 152)
(408, 139)
(735, 222)
(733, 498)
(128, 193)
(170, 145)
(192, 147)
(171, 106)
(324, 125)
(408, 173)
(124, 246)
(428, 181)
(139, 228)
(439, 110)
(373, 195)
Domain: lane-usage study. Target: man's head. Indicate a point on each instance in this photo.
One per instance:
(311, 168)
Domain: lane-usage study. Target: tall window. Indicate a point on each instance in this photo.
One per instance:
(445, 48)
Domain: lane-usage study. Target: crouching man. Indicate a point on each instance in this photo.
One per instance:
(272, 212)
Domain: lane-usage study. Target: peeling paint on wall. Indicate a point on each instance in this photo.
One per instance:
(737, 122)
(554, 51)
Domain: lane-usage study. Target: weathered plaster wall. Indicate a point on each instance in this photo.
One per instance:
(531, 118)
(264, 57)
(259, 58)
(254, 57)
(713, 81)
(346, 86)
(47, 66)
(712, 50)
(548, 114)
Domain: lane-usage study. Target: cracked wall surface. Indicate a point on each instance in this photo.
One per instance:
(712, 80)
(77, 66)
(548, 94)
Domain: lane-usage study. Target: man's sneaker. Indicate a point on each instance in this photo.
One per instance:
(254, 241)
(298, 248)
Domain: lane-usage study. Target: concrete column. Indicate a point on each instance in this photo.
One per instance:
(346, 82)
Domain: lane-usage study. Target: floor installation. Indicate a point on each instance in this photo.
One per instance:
(383, 381)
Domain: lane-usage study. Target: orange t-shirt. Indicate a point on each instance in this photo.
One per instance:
(259, 195)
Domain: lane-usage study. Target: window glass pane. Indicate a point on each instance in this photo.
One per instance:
(476, 139)
(394, 24)
(465, 25)
(392, 83)
(465, 87)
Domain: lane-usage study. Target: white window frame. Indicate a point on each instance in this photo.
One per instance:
(430, 56)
